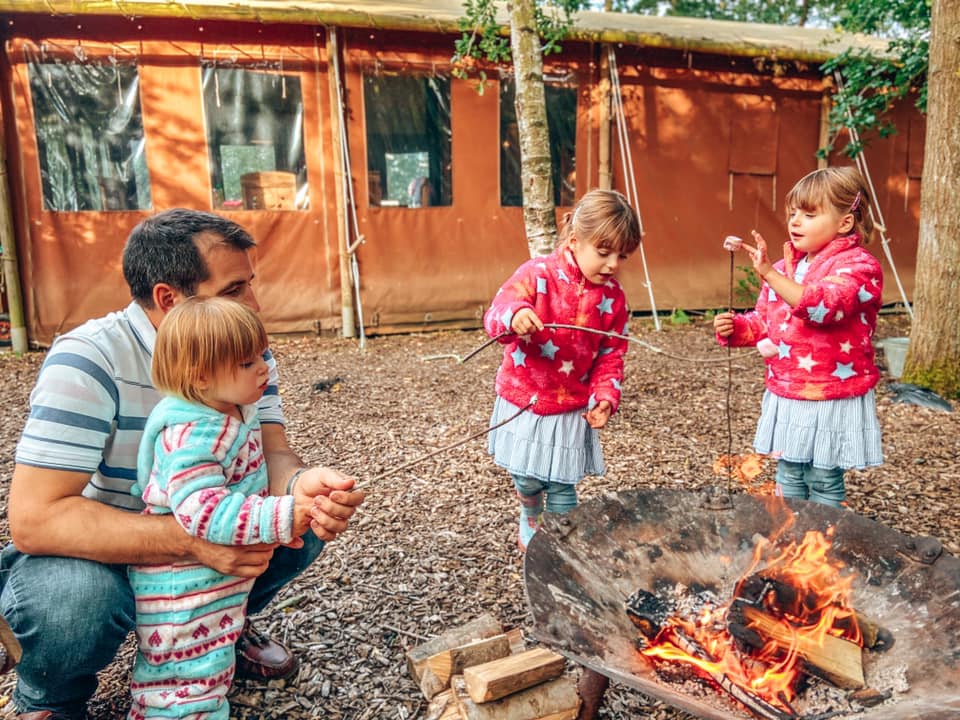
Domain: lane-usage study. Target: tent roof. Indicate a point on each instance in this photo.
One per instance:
(714, 36)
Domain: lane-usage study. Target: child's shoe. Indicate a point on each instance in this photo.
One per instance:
(528, 526)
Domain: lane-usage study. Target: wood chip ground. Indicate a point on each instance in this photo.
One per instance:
(435, 546)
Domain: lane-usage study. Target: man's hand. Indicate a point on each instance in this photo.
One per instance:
(723, 324)
(334, 500)
(598, 417)
(526, 322)
(239, 560)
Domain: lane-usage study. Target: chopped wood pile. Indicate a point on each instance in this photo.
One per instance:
(479, 672)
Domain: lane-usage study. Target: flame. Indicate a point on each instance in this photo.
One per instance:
(746, 468)
(820, 606)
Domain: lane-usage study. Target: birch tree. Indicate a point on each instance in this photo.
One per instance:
(535, 30)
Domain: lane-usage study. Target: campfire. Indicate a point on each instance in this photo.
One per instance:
(735, 606)
(790, 615)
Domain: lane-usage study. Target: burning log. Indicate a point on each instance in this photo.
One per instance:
(649, 613)
(834, 659)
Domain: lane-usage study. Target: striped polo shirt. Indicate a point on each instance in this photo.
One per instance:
(91, 402)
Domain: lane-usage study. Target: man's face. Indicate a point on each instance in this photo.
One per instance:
(231, 273)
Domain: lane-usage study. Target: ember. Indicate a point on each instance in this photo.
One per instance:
(762, 676)
(746, 468)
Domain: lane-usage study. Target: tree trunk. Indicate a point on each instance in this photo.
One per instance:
(539, 213)
(933, 359)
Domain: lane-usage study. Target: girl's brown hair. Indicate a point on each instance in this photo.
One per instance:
(605, 218)
(840, 188)
(201, 337)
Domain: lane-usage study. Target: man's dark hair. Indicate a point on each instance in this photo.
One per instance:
(163, 249)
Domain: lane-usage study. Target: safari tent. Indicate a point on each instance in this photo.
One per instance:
(382, 190)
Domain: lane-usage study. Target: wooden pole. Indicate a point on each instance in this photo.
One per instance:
(603, 90)
(340, 178)
(824, 138)
(8, 242)
(603, 160)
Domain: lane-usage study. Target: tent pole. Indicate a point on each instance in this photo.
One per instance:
(340, 180)
(603, 160)
(8, 242)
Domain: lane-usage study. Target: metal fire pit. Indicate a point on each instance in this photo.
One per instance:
(581, 567)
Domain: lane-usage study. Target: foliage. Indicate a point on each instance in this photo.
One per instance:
(483, 39)
(679, 317)
(748, 287)
(872, 84)
(774, 12)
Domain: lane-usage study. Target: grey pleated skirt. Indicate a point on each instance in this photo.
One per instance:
(842, 433)
(551, 448)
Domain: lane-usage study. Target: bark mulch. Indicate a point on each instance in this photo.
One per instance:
(435, 546)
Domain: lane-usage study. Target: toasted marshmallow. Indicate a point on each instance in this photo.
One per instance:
(732, 243)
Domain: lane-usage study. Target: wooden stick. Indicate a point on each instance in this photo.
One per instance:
(458, 443)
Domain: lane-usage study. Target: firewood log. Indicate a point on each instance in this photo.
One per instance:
(499, 678)
(553, 700)
(482, 627)
(837, 660)
(452, 661)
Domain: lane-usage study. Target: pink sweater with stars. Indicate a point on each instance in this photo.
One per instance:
(824, 344)
(566, 369)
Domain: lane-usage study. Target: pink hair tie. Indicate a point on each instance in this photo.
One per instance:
(856, 202)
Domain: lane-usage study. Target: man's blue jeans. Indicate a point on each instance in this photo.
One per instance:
(71, 616)
(803, 480)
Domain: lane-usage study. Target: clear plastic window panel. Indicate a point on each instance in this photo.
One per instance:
(90, 138)
(408, 140)
(254, 124)
(561, 98)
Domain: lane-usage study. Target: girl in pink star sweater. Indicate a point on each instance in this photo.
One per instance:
(574, 375)
(814, 323)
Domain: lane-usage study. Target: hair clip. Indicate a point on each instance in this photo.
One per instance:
(856, 202)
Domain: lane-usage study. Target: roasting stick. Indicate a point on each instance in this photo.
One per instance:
(731, 243)
(628, 338)
(445, 448)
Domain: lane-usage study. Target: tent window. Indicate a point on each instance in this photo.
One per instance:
(254, 123)
(561, 98)
(408, 140)
(90, 139)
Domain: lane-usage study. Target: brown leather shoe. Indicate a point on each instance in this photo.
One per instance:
(260, 658)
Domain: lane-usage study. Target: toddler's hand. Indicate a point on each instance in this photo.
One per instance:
(598, 417)
(526, 322)
(723, 324)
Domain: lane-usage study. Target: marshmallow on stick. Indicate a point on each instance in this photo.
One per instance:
(732, 243)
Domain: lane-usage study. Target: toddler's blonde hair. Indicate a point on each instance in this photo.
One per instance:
(842, 188)
(201, 337)
(604, 218)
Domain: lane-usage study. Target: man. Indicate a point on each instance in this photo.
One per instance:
(75, 526)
